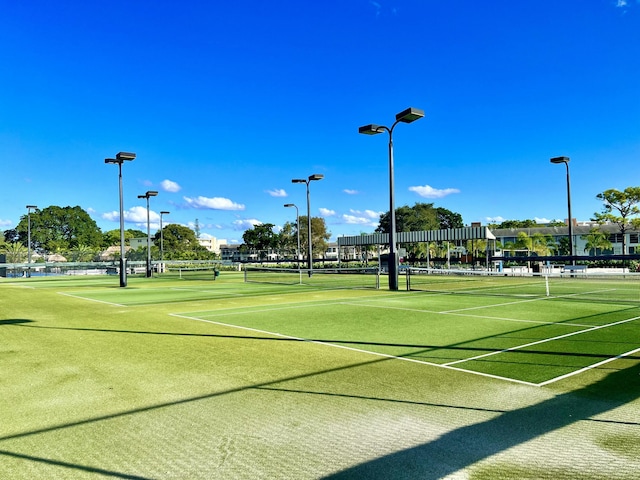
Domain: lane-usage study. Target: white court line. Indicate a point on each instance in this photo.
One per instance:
(91, 299)
(595, 365)
(358, 350)
(455, 313)
(544, 341)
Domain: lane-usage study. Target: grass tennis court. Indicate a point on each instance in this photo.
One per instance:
(170, 378)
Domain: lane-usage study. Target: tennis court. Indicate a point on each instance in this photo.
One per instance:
(277, 379)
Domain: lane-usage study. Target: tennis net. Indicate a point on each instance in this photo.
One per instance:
(319, 277)
(209, 272)
(608, 287)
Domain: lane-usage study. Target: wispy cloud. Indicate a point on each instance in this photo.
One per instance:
(368, 218)
(215, 203)
(5, 223)
(325, 212)
(427, 191)
(136, 215)
(278, 192)
(244, 224)
(350, 192)
(621, 3)
(497, 219)
(170, 186)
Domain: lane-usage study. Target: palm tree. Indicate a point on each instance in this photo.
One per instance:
(15, 252)
(596, 239)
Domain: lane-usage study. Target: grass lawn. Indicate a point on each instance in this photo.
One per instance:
(179, 379)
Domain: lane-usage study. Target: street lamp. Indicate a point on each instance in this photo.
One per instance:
(565, 160)
(29, 207)
(148, 195)
(162, 241)
(120, 158)
(297, 229)
(406, 116)
(315, 176)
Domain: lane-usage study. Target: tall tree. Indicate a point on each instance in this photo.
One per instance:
(261, 237)
(619, 208)
(180, 243)
(59, 229)
(319, 236)
(596, 240)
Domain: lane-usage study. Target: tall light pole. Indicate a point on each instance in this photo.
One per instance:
(29, 207)
(119, 160)
(148, 195)
(162, 240)
(565, 160)
(315, 176)
(406, 116)
(297, 230)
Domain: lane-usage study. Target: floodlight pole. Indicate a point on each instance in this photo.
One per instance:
(406, 116)
(565, 160)
(148, 195)
(315, 176)
(120, 158)
(162, 241)
(297, 230)
(29, 207)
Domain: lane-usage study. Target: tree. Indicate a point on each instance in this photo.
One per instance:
(60, 229)
(180, 243)
(112, 237)
(448, 219)
(288, 239)
(517, 224)
(422, 216)
(619, 208)
(261, 238)
(596, 240)
(319, 236)
(15, 252)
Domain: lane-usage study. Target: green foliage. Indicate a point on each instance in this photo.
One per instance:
(179, 243)
(15, 252)
(261, 237)
(60, 229)
(319, 236)
(619, 207)
(596, 240)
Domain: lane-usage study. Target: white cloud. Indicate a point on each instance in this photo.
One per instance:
(325, 212)
(359, 220)
(621, 3)
(137, 215)
(278, 192)
(215, 203)
(348, 191)
(170, 186)
(5, 223)
(497, 219)
(430, 192)
(541, 220)
(367, 213)
(245, 224)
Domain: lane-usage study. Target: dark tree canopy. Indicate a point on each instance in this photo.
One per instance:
(58, 229)
(422, 216)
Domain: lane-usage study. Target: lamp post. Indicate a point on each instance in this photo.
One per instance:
(315, 176)
(119, 160)
(297, 230)
(565, 160)
(162, 240)
(149, 194)
(406, 116)
(29, 207)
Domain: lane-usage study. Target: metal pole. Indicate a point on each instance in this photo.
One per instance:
(571, 249)
(123, 262)
(148, 241)
(392, 262)
(310, 259)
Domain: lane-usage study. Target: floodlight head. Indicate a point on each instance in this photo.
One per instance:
(372, 129)
(31, 206)
(142, 196)
(409, 115)
(289, 205)
(165, 213)
(560, 160)
(111, 160)
(151, 193)
(298, 180)
(316, 176)
(125, 156)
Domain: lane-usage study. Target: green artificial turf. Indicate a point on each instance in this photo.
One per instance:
(173, 379)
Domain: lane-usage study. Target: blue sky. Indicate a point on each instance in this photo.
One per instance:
(225, 102)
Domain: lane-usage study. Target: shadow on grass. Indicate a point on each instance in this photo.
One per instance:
(452, 452)
(15, 321)
(456, 450)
